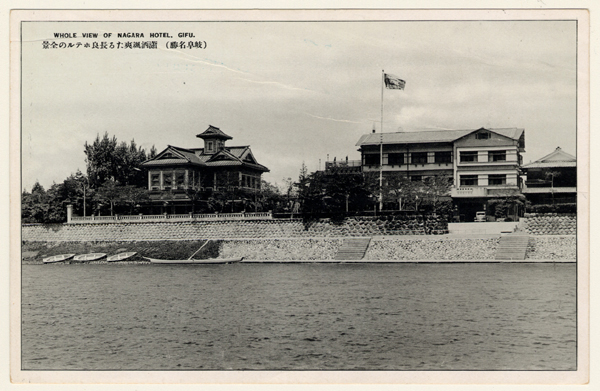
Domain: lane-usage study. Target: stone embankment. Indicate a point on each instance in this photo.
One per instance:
(393, 238)
(416, 248)
(552, 247)
(198, 230)
(281, 249)
(438, 249)
(549, 224)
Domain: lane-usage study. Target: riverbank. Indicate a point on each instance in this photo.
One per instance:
(385, 249)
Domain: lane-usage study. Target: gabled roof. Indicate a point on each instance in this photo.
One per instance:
(173, 155)
(431, 136)
(558, 158)
(214, 132)
(223, 154)
(511, 133)
(229, 156)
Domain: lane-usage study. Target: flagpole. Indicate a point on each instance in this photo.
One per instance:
(381, 146)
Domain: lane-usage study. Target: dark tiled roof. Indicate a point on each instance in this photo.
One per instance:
(430, 136)
(238, 151)
(558, 158)
(189, 154)
(550, 165)
(196, 156)
(215, 132)
(162, 162)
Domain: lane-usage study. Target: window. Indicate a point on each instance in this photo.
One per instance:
(416, 178)
(396, 159)
(155, 179)
(468, 156)
(209, 146)
(443, 157)
(496, 156)
(179, 178)
(482, 136)
(495, 180)
(168, 179)
(469, 180)
(419, 157)
(372, 160)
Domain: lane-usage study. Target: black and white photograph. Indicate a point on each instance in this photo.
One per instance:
(285, 195)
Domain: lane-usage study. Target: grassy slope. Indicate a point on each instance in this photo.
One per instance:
(34, 252)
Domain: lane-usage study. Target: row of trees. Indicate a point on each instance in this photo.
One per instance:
(334, 192)
(113, 176)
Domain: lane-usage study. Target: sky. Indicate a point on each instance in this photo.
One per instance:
(296, 92)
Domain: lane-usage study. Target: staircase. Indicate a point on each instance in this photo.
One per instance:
(512, 247)
(353, 249)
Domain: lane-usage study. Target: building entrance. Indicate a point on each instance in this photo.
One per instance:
(468, 209)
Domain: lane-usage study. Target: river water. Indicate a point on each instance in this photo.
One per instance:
(299, 317)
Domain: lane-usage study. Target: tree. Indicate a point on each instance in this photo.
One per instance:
(128, 160)
(109, 160)
(334, 192)
(269, 197)
(152, 154)
(502, 206)
(409, 194)
(414, 194)
(100, 159)
(132, 196)
(58, 199)
(109, 193)
(78, 192)
(34, 205)
(397, 188)
(436, 189)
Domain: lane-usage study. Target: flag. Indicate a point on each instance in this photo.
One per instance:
(393, 82)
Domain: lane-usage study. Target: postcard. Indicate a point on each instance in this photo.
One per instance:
(300, 196)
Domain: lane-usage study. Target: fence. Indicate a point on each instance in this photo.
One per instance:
(171, 217)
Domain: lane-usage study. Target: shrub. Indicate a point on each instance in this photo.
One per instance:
(557, 208)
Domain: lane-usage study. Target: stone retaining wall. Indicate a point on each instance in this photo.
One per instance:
(416, 248)
(437, 248)
(284, 228)
(281, 249)
(552, 248)
(549, 224)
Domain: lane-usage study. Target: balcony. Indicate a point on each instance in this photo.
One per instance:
(468, 191)
(345, 166)
(344, 163)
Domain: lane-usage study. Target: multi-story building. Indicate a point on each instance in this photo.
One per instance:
(176, 173)
(483, 163)
(551, 179)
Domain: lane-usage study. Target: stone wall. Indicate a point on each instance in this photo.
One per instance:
(197, 230)
(281, 249)
(380, 249)
(440, 248)
(549, 224)
(552, 247)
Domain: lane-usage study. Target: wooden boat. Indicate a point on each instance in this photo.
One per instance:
(121, 256)
(58, 258)
(211, 261)
(89, 257)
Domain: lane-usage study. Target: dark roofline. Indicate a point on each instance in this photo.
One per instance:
(214, 132)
